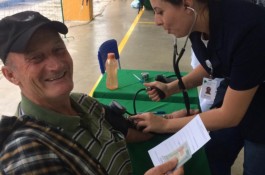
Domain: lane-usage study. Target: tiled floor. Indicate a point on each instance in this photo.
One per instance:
(147, 47)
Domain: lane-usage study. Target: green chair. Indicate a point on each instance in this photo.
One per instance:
(141, 161)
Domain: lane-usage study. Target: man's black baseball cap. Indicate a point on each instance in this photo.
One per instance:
(16, 30)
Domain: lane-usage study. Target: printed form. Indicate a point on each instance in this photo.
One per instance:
(191, 137)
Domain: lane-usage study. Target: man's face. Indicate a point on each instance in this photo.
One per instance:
(45, 71)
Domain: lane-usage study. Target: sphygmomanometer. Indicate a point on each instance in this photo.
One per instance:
(114, 114)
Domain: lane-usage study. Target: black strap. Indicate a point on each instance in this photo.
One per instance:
(180, 83)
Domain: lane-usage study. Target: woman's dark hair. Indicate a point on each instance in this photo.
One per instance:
(175, 2)
(180, 2)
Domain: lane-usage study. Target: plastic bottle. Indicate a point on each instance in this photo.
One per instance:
(112, 72)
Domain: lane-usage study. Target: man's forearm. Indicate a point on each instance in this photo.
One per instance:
(134, 135)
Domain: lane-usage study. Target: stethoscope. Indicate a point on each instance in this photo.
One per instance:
(176, 59)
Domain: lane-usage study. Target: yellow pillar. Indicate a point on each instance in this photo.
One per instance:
(81, 10)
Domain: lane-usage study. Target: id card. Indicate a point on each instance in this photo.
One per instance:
(182, 153)
(208, 89)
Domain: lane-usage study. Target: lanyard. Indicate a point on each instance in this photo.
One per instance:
(209, 65)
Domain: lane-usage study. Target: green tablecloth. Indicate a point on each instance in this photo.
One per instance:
(141, 162)
(129, 85)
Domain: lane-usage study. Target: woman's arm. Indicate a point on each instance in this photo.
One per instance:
(229, 114)
(191, 80)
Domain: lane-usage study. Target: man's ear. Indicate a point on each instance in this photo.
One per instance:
(9, 75)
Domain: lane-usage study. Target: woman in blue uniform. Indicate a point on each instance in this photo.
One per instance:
(236, 52)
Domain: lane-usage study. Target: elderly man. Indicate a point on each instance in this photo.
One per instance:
(56, 131)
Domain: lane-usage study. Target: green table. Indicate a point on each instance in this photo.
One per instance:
(140, 158)
(129, 85)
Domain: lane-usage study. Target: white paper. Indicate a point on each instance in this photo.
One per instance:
(194, 133)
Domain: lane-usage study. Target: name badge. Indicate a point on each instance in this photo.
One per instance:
(208, 89)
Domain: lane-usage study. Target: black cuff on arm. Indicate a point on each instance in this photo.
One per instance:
(117, 121)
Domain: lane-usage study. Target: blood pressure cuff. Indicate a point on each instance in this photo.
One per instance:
(117, 120)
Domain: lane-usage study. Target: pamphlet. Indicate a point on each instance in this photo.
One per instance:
(182, 144)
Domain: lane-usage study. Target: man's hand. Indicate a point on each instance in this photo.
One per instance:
(166, 168)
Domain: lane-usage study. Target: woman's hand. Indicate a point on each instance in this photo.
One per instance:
(148, 122)
(166, 168)
(153, 94)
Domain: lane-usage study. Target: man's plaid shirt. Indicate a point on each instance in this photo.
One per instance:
(50, 143)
